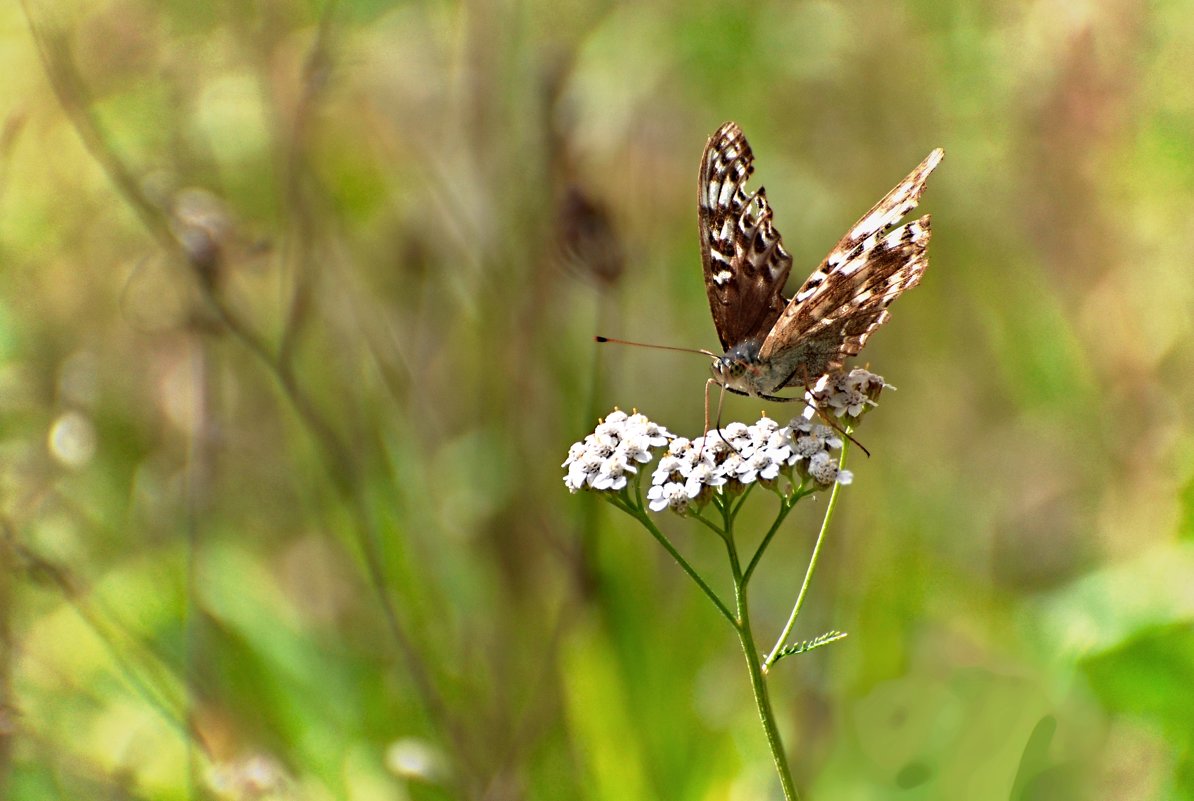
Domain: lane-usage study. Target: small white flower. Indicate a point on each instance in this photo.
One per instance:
(603, 443)
(760, 464)
(851, 402)
(779, 445)
(608, 429)
(656, 434)
(670, 495)
(828, 436)
(762, 431)
(732, 462)
(615, 417)
(802, 424)
(582, 471)
(767, 424)
(712, 447)
(866, 381)
(808, 439)
(577, 450)
(848, 394)
(612, 473)
(701, 476)
(637, 447)
(670, 467)
(736, 432)
(806, 446)
(824, 470)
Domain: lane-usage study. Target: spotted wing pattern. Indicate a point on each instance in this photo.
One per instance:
(744, 258)
(846, 298)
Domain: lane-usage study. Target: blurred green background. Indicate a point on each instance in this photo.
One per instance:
(296, 317)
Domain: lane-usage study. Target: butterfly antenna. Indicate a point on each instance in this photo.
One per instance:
(836, 426)
(701, 351)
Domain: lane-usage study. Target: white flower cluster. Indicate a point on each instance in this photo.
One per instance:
(692, 470)
(847, 394)
(605, 458)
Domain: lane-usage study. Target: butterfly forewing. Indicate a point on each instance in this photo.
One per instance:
(834, 323)
(745, 263)
(872, 275)
(875, 223)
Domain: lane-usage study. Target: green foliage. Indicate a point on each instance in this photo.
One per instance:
(804, 646)
(296, 323)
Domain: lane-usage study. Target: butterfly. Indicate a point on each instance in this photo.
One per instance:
(772, 342)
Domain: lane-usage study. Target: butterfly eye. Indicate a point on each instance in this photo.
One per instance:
(731, 368)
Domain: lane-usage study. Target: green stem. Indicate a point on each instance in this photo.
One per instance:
(708, 524)
(812, 565)
(786, 505)
(758, 684)
(742, 499)
(662, 539)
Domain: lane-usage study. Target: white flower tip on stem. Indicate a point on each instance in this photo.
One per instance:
(847, 394)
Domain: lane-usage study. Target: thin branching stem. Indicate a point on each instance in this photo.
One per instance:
(709, 524)
(758, 683)
(725, 505)
(812, 565)
(738, 506)
(785, 505)
(641, 515)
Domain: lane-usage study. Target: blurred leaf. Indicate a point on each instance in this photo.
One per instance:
(609, 761)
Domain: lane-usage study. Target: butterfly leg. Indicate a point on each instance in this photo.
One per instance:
(720, 400)
(836, 426)
(705, 430)
(829, 419)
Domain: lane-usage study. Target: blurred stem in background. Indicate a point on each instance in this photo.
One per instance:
(195, 242)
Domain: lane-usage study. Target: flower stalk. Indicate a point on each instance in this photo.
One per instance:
(758, 681)
(777, 649)
(719, 471)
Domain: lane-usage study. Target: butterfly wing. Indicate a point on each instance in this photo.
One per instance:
(743, 256)
(846, 298)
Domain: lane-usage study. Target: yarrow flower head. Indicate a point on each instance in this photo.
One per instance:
(730, 459)
(606, 458)
(847, 394)
(723, 461)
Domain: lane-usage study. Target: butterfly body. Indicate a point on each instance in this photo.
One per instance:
(743, 371)
(772, 342)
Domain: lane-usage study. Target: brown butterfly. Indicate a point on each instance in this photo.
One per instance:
(772, 342)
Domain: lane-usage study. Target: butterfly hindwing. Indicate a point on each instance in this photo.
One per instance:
(744, 260)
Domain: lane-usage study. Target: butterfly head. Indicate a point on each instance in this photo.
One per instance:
(739, 369)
